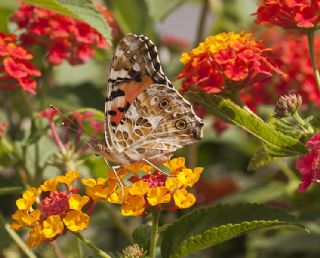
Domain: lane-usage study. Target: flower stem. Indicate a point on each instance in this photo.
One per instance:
(202, 21)
(45, 85)
(119, 223)
(17, 238)
(154, 234)
(313, 56)
(97, 250)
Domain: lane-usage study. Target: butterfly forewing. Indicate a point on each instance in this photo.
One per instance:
(146, 118)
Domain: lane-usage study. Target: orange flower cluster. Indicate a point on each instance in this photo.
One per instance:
(51, 209)
(146, 187)
(226, 61)
(15, 67)
(289, 13)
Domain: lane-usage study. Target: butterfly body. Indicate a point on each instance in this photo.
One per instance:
(145, 117)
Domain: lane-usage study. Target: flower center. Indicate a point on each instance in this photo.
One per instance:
(155, 180)
(55, 204)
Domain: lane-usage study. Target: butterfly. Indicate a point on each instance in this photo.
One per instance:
(146, 118)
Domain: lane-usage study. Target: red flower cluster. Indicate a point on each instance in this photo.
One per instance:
(289, 13)
(64, 38)
(309, 164)
(226, 60)
(15, 67)
(80, 119)
(293, 58)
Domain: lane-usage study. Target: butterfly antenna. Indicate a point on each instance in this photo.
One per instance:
(71, 122)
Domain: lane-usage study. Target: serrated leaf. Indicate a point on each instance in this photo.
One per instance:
(278, 143)
(83, 10)
(260, 159)
(159, 9)
(142, 236)
(208, 226)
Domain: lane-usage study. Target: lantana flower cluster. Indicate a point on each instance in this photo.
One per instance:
(64, 38)
(16, 69)
(147, 187)
(309, 164)
(226, 61)
(289, 13)
(292, 57)
(51, 210)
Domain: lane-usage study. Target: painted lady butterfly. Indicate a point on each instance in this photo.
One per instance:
(146, 119)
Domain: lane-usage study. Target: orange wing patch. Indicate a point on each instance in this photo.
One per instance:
(132, 90)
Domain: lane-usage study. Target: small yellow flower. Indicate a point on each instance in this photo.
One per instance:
(116, 196)
(135, 168)
(49, 186)
(76, 201)
(139, 188)
(134, 206)
(183, 199)
(36, 236)
(100, 188)
(175, 165)
(31, 218)
(76, 220)
(52, 226)
(158, 195)
(173, 183)
(27, 200)
(187, 177)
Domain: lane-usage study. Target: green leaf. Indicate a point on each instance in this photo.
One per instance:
(83, 10)
(315, 121)
(260, 159)
(132, 16)
(211, 225)
(277, 143)
(260, 193)
(142, 236)
(159, 9)
(6, 9)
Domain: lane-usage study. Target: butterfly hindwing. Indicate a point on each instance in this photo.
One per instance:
(158, 122)
(134, 68)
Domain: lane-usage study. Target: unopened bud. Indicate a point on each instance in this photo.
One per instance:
(287, 105)
(133, 251)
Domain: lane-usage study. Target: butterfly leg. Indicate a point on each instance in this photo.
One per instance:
(114, 168)
(154, 166)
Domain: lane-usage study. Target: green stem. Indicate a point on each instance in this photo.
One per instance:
(27, 102)
(17, 239)
(119, 223)
(154, 234)
(45, 85)
(11, 190)
(38, 170)
(202, 21)
(97, 250)
(287, 171)
(79, 249)
(56, 249)
(313, 56)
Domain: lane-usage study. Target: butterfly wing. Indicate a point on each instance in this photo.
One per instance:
(134, 68)
(158, 122)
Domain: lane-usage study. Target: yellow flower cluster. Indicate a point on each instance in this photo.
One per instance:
(219, 42)
(147, 187)
(49, 211)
